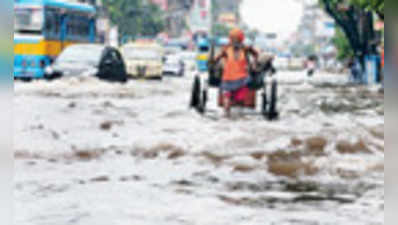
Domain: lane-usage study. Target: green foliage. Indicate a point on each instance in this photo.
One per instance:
(135, 17)
(355, 21)
(344, 49)
(376, 6)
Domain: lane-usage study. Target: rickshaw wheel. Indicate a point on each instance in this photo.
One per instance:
(198, 97)
(203, 102)
(273, 114)
(195, 95)
(264, 104)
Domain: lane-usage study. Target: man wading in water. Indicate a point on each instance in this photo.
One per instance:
(235, 77)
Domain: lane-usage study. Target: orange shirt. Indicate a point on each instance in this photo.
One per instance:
(235, 68)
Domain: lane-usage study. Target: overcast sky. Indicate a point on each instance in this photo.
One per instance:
(279, 16)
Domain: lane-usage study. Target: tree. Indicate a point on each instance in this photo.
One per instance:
(151, 20)
(135, 17)
(344, 49)
(357, 24)
(376, 6)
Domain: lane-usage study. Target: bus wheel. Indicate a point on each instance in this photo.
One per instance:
(51, 77)
(26, 79)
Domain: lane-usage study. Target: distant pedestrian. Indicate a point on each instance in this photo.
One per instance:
(311, 66)
(381, 49)
(355, 70)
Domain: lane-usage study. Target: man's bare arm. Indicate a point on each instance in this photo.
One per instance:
(253, 52)
(220, 56)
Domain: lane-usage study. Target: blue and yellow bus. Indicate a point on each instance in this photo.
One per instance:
(43, 28)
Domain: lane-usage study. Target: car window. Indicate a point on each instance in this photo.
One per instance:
(119, 56)
(107, 56)
(113, 56)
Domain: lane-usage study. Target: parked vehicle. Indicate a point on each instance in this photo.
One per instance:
(43, 28)
(296, 63)
(174, 66)
(89, 60)
(143, 60)
(172, 50)
(178, 44)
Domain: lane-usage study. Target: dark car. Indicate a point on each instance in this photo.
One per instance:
(101, 61)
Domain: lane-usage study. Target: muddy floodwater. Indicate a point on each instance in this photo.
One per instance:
(94, 153)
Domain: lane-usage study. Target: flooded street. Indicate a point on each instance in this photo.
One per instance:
(89, 152)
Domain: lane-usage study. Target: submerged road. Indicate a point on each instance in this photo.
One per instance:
(94, 153)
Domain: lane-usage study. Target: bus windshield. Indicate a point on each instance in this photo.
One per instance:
(28, 20)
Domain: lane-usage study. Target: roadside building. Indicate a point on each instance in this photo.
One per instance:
(200, 17)
(228, 18)
(176, 13)
(315, 34)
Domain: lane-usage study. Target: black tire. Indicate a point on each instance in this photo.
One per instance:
(273, 114)
(264, 104)
(264, 101)
(26, 79)
(53, 76)
(123, 80)
(49, 77)
(159, 78)
(195, 93)
(203, 102)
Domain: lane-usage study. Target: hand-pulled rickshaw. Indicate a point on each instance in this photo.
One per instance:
(258, 83)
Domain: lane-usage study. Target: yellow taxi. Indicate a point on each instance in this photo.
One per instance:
(144, 59)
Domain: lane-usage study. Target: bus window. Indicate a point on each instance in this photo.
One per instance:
(72, 28)
(78, 27)
(84, 28)
(51, 27)
(28, 20)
